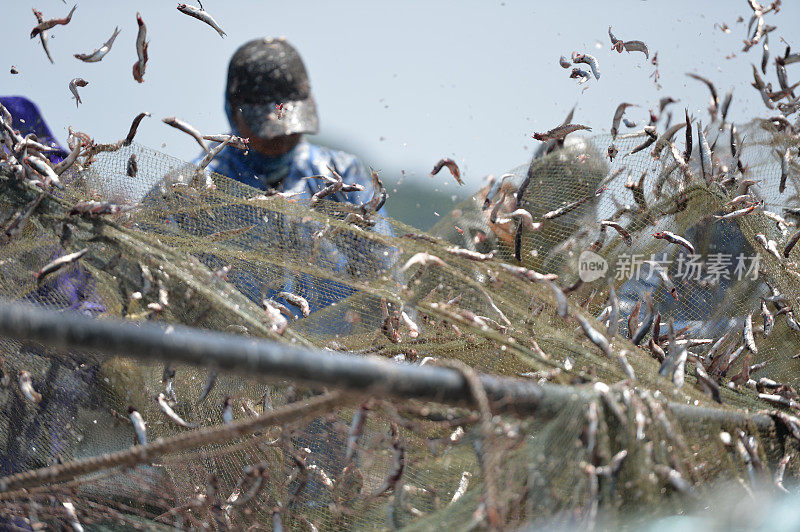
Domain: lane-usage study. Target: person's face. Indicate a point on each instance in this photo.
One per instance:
(270, 147)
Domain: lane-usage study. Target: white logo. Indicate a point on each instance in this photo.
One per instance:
(591, 266)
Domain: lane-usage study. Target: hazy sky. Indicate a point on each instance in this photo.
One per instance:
(401, 83)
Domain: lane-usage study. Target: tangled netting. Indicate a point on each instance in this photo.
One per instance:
(620, 426)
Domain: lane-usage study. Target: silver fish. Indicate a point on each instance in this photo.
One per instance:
(138, 425)
(423, 259)
(73, 88)
(43, 168)
(211, 380)
(43, 36)
(706, 164)
(613, 318)
(201, 15)
(471, 255)
(560, 132)
(589, 60)
(769, 319)
(581, 75)
(170, 413)
(101, 52)
(47, 24)
(227, 411)
(747, 335)
(712, 89)
(791, 243)
(626, 236)
(132, 168)
(618, 116)
(786, 159)
(675, 239)
(141, 50)
(564, 62)
(522, 215)
(188, 129)
(26, 386)
(297, 301)
(237, 142)
(636, 46)
(737, 214)
(59, 263)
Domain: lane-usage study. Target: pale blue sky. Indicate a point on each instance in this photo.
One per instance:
(401, 83)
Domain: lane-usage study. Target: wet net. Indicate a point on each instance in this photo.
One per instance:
(618, 315)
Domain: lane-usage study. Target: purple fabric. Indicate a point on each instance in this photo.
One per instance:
(28, 119)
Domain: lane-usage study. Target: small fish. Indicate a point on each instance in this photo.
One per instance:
(726, 104)
(170, 413)
(523, 215)
(786, 159)
(629, 123)
(564, 62)
(15, 227)
(92, 209)
(650, 131)
(201, 15)
(791, 243)
(423, 259)
(636, 46)
(212, 153)
(747, 335)
(581, 75)
(43, 36)
(297, 301)
(665, 278)
(47, 24)
(413, 328)
(43, 168)
(132, 168)
(398, 465)
(569, 207)
(134, 127)
(232, 140)
(618, 116)
(141, 50)
(769, 319)
(59, 263)
(626, 236)
(227, 411)
(14, 70)
(188, 129)
(138, 425)
(665, 138)
(356, 429)
(26, 386)
(73, 516)
(714, 95)
(612, 152)
(616, 44)
(471, 255)
(706, 164)
(765, 56)
(73, 88)
(101, 52)
(451, 165)
(675, 239)
(211, 380)
(589, 60)
(687, 151)
(613, 318)
(277, 322)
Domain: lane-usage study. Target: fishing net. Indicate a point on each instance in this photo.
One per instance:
(610, 434)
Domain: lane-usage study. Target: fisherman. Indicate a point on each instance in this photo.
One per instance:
(268, 100)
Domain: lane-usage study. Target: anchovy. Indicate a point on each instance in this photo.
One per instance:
(665, 138)
(141, 50)
(471, 255)
(645, 326)
(278, 323)
(132, 168)
(522, 215)
(613, 318)
(73, 88)
(43, 36)
(581, 74)
(747, 335)
(227, 411)
(769, 319)
(636, 46)
(726, 103)
(618, 116)
(188, 129)
(15, 227)
(706, 164)
(59, 263)
(650, 131)
(711, 88)
(297, 301)
(138, 425)
(626, 236)
(769, 245)
(69, 160)
(212, 153)
(628, 123)
(564, 62)
(92, 209)
(569, 207)
(785, 160)
(201, 15)
(451, 165)
(413, 328)
(791, 243)
(43, 168)
(765, 56)
(560, 132)
(612, 152)
(528, 275)
(709, 384)
(662, 273)
(26, 386)
(423, 259)
(675, 239)
(633, 319)
(234, 141)
(73, 516)
(134, 127)
(101, 52)
(589, 60)
(616, 44)
(211, 380)
(47, 24)
(356, 429)
(170, 413)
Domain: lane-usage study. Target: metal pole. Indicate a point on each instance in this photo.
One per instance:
(256, 357)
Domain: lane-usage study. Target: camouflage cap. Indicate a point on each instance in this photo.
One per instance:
(268, 83)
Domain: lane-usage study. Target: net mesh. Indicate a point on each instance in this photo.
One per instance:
(206, 253)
